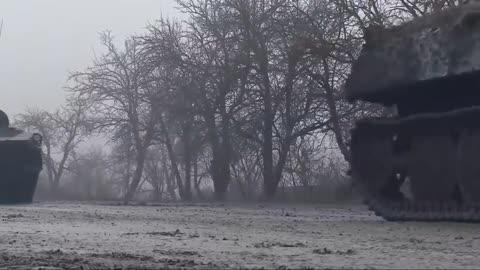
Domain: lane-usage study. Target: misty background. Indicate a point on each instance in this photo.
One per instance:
(42, 41)
(215, 100)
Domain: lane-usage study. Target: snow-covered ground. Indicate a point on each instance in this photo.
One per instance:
(209, 236)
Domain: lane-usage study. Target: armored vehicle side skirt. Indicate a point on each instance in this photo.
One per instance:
(421, 167)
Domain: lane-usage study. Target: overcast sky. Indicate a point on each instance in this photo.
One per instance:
(42, 40)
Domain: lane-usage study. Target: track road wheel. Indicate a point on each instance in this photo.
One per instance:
(431, 167)
(469, 166)
(371, 160)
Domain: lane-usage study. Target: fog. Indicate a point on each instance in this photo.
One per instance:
(42, 41)
(242, 139)
(139, 85)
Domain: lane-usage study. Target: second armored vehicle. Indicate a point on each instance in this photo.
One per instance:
(20, 163)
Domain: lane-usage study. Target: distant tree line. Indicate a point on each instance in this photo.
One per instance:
(244, 93)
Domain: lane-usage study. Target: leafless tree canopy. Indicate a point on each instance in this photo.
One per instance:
(244, 97)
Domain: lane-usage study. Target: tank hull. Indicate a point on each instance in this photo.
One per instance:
(20, 166)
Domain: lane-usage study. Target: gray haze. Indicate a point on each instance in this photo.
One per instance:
(43, 40)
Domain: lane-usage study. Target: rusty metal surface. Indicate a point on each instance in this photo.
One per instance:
(438, 45)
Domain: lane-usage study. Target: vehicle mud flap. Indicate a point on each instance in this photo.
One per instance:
(432, 168)
(371, 160)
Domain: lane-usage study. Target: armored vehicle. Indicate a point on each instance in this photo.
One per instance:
(20, 163)
(423, 163)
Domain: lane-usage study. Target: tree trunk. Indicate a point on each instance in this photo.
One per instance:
(175, 171)
(137, 176)
(58, 174)
(269, 186)
(157, 194)
(282, 159)
(187, 159)
(50, 168)
(226, 154)
(173, 159)
(168, 178)
(221, 172)
(188, 176)
(196, 180)
(128, 173)
(277, 170)
(220, 164)
(337, 130)
(219, 176)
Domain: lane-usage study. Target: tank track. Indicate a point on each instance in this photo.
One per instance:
(437, 151)
(424, 211)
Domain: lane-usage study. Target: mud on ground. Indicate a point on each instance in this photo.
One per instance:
(214, 236)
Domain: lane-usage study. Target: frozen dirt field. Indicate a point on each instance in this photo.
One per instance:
(215, 236)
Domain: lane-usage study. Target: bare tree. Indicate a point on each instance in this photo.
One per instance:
(229, 95)
(118, 89)
(154, 173)
(62, 132)
(248, 59)
(207, 61)
(277, 33)
(90, 174)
